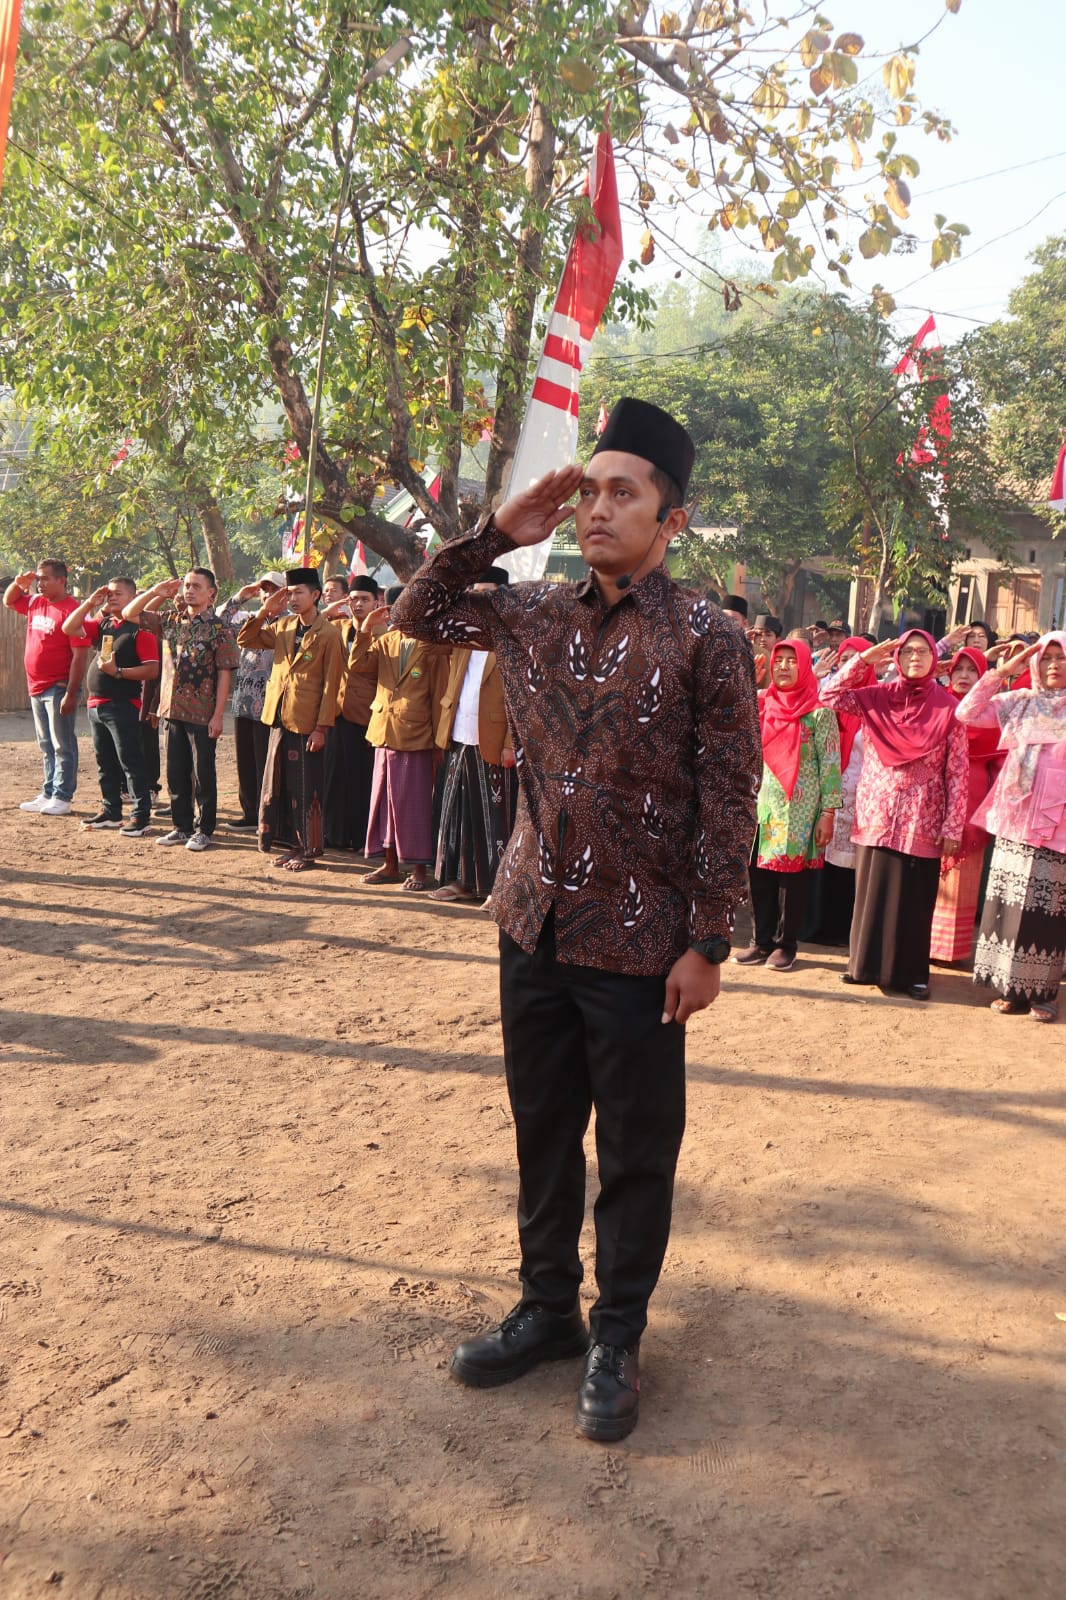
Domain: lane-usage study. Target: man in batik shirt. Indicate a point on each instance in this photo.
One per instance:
(199, 660)
(633, 708)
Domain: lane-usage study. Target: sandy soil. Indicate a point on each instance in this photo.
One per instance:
(258, 1178)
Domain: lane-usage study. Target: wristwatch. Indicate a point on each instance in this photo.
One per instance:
(713, 950)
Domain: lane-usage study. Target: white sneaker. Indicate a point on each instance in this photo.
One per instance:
(35, 804)
(175, 836)
(56, 808)
(199, 841)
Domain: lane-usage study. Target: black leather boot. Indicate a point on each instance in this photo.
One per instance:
(609, 1397)
(527, 1335)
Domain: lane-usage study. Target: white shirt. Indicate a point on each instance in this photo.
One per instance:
(464, 728)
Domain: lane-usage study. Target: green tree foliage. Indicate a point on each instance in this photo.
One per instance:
(174, 171)
(804, 432)
(1019, 364)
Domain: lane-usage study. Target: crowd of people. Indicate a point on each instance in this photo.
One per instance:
(907, 802)
(347, 734)
(612, 767)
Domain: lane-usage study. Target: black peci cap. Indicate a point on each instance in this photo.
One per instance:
(641, 429)
(308, 575)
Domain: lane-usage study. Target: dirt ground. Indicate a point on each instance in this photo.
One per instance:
(258, 1179)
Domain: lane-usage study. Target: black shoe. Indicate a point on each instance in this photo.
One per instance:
(243, 826)
(919, 991)
(103, 819)
(609, 1397)
(527, 1335)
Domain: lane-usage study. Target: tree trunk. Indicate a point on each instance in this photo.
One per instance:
(214, 531)
(518, 322)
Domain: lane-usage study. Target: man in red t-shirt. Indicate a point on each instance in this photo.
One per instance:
(55, 666)
(126, 657)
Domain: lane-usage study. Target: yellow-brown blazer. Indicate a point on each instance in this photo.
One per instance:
(411, 679)
(305, 687)
(493, 736)
(356, 693)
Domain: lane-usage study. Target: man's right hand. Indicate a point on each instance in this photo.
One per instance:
(97, 598)
(275, 603)
(375, 619)
(532, 516)
(169, 589)
(26, 581)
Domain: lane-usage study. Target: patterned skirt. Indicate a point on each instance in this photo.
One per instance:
(956, 910)
(1022, 945)
(477, 815)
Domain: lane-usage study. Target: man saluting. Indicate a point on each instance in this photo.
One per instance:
(637, 745)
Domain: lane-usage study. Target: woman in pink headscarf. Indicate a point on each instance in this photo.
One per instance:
(799, 792)
(1021, 948)
(910, 808)
(960, 875)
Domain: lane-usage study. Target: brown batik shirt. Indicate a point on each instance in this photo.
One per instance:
(636, 733)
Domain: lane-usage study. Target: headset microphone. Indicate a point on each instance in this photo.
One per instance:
(624, 582)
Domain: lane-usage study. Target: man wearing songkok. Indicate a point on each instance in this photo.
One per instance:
(301, 703)
(633, 709)
(350, 772)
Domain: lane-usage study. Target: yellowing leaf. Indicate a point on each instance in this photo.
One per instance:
(647, 248)
(953, 7)
(821, 80)
(849, 44)
(811, 46)
(898, 76)
(576, 72)
(856, 153)
(899, 197)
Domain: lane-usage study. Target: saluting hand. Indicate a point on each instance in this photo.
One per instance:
(531, 516)
(880, 655)
(377, 618)
(1013, 666)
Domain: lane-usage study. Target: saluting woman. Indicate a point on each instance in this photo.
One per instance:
(910, 808)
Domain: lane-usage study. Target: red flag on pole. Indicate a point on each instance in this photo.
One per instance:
(549, 430)
(10, 12)
(1057, 498)
(934, 434)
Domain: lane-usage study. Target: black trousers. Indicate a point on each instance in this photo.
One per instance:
(349, 776)
(150, 747)
(574, 1038)
(778, 902)
(250, 738)
(116, 732)
(191, 772)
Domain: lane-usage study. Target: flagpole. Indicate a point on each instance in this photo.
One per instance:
(385, 63)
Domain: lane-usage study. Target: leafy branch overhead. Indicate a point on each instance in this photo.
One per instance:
(174, 173)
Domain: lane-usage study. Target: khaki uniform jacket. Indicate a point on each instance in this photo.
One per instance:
(305, 687)
(356, 693)
(411, 678)
(493, 735)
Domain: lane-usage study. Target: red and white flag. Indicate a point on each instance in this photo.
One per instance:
(290, 542)
(934, 432)
(1057, 498)
(10, 12)
(549, 429)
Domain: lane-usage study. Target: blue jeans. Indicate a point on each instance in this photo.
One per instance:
(116, 730)
(58, 738)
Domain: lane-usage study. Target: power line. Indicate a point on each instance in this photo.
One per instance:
(1000, 172)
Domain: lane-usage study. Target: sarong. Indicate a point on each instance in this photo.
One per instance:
(955, 916)
(349, 775)
(894, 899)
(477, 815)
(1021, 948)
(401, 805)
(290, 806)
